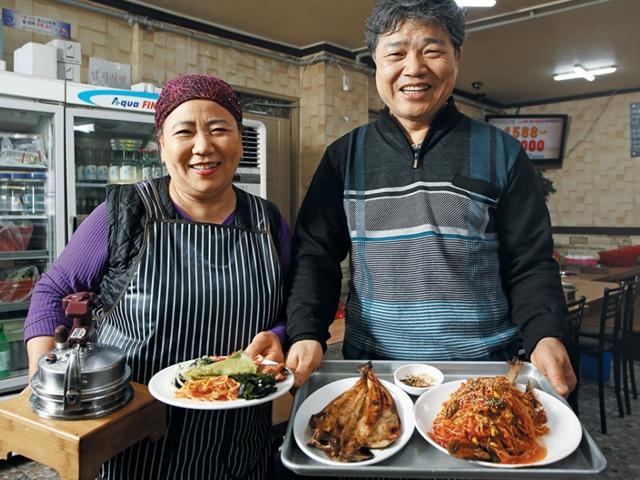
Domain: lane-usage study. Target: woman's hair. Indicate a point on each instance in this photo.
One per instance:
(388, 14)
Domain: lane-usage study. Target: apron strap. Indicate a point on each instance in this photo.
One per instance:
(151, 199)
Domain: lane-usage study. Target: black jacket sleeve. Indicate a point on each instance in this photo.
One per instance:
(320, 243)
(530, 275)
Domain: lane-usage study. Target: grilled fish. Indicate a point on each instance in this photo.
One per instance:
(362, 418)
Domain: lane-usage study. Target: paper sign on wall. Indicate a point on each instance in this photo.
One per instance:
(34, 23)
(109, 74)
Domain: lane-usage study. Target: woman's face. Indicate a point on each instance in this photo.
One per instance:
(201, 147)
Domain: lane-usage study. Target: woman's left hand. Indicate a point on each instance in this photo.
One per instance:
(266, 344)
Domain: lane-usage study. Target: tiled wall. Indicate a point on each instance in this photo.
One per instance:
(327, 111)
(471, 110)
(599, 183)
(164, 55)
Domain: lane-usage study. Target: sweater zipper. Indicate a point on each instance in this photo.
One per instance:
(416, 155)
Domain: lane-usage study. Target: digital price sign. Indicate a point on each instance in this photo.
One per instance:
(541, 136)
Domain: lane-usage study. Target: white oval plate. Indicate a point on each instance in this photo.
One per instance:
(565, 431)
(323, 396)
(161, 386)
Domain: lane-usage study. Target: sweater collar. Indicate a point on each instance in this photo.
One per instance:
(446, 119)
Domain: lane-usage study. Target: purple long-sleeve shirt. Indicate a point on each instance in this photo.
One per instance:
(82, 264)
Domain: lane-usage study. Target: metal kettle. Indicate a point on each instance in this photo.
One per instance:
(79, 378)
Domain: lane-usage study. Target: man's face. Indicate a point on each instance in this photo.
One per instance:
(417, 67)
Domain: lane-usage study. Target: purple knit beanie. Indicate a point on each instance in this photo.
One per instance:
(195, 86)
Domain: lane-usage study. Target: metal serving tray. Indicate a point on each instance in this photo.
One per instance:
(418, 459)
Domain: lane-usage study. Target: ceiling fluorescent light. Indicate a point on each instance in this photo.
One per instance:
(475, 3)
(580, 72)
(602, 71)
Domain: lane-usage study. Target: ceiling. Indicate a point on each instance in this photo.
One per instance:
(513, 49)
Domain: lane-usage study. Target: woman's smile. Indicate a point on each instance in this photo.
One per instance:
(204, 169)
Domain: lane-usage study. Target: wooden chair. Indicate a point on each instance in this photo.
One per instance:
(607, 339)
(576, 314)
(630, 342)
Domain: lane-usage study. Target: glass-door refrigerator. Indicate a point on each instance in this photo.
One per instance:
(32, 206)
(110, 138)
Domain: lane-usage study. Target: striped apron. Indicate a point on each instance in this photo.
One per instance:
(425, 281)
(197, 289)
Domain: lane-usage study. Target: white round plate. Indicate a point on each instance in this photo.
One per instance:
(323, 396)
(565, 431)
(161, 386)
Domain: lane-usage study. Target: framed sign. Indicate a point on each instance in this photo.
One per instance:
(541, 136)
(34, 23)
(635, 129)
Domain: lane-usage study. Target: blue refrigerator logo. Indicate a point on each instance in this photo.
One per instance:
(120, 99)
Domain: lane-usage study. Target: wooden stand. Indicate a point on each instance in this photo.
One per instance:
(77, 448)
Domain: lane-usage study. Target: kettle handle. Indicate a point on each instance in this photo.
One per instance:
(72, 387)
(79, 307)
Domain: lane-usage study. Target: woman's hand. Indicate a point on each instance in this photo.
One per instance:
(266, 344)
(303, 358)
(36, 347)
(551, 358)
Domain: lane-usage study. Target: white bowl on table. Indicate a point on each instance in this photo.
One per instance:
(435, 375)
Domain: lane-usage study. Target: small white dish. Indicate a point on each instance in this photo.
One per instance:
(435, 375)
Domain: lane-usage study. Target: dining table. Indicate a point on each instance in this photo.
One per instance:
(590, 282)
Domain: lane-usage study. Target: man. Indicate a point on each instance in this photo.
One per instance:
(450, 241)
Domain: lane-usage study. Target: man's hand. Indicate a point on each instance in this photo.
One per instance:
(266, 344)
(551, 358)
(303, 358)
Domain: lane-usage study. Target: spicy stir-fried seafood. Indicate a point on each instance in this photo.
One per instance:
(362, 418)
(228, 378)
(489, 419)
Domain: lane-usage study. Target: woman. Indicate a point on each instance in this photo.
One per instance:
(186, 266)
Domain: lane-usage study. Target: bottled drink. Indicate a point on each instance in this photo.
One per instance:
(4, 354)
(5, 193)
(82, 202)
(102, 165)
(129, 168)
(157, 169)
(80, 157)
(114, 171)
(125, 154)
(20, 187)
(90, 167)
(37, 199)
(115, 161)
(95, 199)
(149, 160)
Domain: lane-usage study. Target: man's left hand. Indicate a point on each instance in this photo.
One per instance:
(552, 359)
(266, 344)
